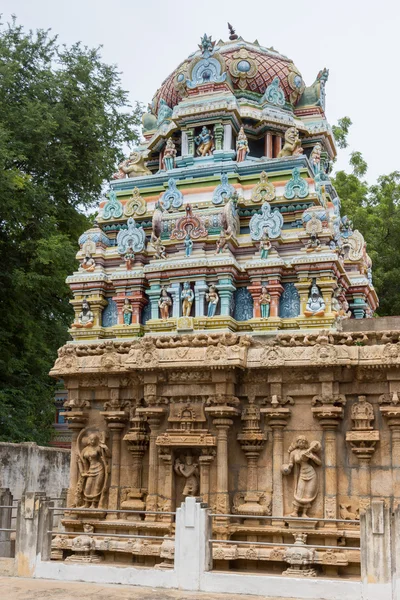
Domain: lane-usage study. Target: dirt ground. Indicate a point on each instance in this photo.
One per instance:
(12, 588)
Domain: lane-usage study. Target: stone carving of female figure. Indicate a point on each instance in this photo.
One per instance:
(127, 312)
(164, 303)
(212, 299)
(301, 456)
(265, 301)
(187, 297)
(93, 455)
(185, 467)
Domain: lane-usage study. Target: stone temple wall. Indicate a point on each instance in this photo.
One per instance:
(30, 468)
(294, 426)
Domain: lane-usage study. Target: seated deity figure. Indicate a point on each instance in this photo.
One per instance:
(188, 469)
(205, 142)
(85, 317)
(242, 146)
(212, 299)
(88, 262)
(187, 297)
(164, 304)
(315, 305)
(265, 302)
(301, 455)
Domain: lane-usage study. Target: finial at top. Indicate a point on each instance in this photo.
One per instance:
(232, 33)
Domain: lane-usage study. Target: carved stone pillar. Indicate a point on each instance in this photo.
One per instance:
(277, 145)
(154, 416)
(268, 145)
(205, 460)
(390, 409)
(222, 419)
(277, 416)
(363, 439)
(328, 409)
(137, 441)
(76, 419)
(166, 479)
(116, 416)
(252, 440)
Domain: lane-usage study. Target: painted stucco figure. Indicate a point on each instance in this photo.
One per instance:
(315, 304)
(85, 317)
(204, 142)
(88, 262)
(212, 298)
(292, 145)
(169, 155)
(242, 146)
(265, 302)
(187, 297)
(164, 304)
(127, 312)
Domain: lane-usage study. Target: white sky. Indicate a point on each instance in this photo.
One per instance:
(357, 40)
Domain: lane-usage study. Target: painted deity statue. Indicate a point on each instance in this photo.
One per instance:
(164, 304)
(88, 262)
(301, 456)
(185, 467)
(265, 302)
(315, 158)
(188, 243)
(134, 166)
(129, 258)
(292, 145)
(221, 243)
(85, 317)
(242, 146)
(169, 155)
(212, 299)
(187, 297)
(205, 142)
(127, 312)
(93, 455)
(315, 304)
(159, 249)
(265, 245)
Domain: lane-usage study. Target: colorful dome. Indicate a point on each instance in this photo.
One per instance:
(250, 69)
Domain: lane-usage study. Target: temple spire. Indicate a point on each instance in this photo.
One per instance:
(232, 34)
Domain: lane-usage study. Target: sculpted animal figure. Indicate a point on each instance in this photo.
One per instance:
(292, 145)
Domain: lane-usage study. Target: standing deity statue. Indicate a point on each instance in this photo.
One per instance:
(85, 317)
(93, 464)
(164, 304)
(127, 312)
(212, 299)
(187, 297)
(88, 262)
(315, 158)
(205, 142)
(129, 257)
(315, 304)
(292, 145)
(169, 155)
(185, 467)
(265, 302)
(301, 456)
(221, 243)
(265, 245)
(188, 245)
(242, 146)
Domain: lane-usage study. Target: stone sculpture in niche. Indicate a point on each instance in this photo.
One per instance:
(93, 465)
(212, 299)
(88, 262)
(85, 317)
(292, 145)
(242, 146)
(187, 297)
(127, 312)
(185, 467)
(205, 142)
(315, 304)
(301, 456)
(164, 304)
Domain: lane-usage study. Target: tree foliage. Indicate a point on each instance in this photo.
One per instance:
(64, 119)
(375, 211)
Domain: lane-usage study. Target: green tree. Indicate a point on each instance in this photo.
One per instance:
(64, 120)
(375, 211)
